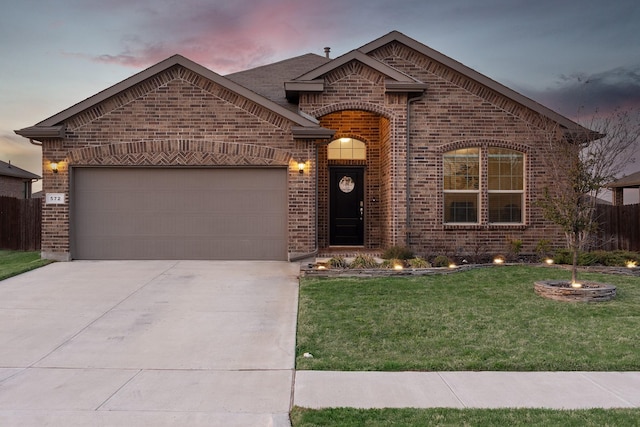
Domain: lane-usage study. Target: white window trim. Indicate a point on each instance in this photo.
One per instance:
(483, 189)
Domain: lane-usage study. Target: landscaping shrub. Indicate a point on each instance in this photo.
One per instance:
(441, 261)
(364, 261)
(543, 249)
(418, 262)
(338, 262)
(391, 263)
(616, 258)
(606, 258)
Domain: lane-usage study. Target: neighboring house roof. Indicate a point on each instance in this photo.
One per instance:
(268, 80)
(629, 181)
(7, 169)
(53, 126)
(598, 200)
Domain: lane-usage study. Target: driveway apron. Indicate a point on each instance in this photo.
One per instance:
(148, 343)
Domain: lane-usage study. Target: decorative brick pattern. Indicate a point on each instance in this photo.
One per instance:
(180, 153)
(178, 118)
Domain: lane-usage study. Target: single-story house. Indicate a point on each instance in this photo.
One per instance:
(16, 182)
(618, 186)
(391, 144)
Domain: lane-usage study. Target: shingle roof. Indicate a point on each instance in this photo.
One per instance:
(53, 126)
(629, 181)
(7, 169)
(268, 80)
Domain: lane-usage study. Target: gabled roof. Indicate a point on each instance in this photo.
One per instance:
(396, 36)
(7, 169)
(53, 127)
(396, 81)
(268, 80)
(629, 181)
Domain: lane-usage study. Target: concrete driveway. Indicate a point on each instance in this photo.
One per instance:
(148, 343)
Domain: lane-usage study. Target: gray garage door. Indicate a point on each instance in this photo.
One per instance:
(155, 213)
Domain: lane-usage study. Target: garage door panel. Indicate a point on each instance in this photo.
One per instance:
(138, 213)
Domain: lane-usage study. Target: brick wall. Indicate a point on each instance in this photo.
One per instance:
(13, 187)
(454, 113)
(178, 118)
(354, 104)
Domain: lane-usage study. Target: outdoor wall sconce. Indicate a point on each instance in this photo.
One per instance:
(301, 166)
(54, 167)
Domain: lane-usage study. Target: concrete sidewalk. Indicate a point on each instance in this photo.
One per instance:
(555, 390)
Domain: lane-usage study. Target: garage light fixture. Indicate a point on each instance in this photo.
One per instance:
(301, 166)
(54, 167)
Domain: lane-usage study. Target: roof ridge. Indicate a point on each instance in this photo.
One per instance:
(275, 63)
(9, 169)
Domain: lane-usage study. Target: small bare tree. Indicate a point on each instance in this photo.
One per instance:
(581, 164)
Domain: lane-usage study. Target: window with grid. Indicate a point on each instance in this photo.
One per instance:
(465, 188)
(461, 185)
(505, 186)
(346, 149)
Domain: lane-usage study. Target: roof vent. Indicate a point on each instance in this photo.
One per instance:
(326, 51)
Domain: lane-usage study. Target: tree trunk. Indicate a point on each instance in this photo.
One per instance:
(574, 267)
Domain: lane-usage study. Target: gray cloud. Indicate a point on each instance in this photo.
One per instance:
(583, 92)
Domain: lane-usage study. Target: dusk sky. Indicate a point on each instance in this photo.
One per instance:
(565, 54)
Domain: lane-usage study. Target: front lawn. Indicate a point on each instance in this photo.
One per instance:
(348, 417)
(481, 319)
(13, 263)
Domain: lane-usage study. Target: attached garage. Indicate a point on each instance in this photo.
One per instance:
(179, 213)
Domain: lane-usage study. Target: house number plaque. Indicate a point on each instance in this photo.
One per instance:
(54, 199)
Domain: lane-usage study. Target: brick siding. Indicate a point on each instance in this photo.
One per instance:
(454, 113)
(179, 118)
(13, 187)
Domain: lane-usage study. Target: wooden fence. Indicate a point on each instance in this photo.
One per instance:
(619, 227)
(20, 223)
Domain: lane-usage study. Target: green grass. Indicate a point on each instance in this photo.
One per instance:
(346, 417)
(482, 319)
(13, 263)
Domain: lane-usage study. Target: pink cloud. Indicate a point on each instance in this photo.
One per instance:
(224, 37)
